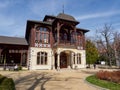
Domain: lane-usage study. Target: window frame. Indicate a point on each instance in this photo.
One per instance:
(42, 58)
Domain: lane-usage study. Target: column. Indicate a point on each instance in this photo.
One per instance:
(75, 60)
(21, 52)
(68, 61)
(75, 35)
(58, 29)
(72, 56)
(53, 61)
(58, 61)
(0, 51)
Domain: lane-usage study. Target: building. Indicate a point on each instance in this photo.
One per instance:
(53, 43)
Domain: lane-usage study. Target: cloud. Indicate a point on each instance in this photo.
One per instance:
(98, 15)
(44, 7)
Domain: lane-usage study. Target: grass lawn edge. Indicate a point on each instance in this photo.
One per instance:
(96, 83)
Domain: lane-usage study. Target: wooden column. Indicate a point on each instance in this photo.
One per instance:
(51, 41)
(0, 51)
(75, 35)
(58, 33)
(21, 52)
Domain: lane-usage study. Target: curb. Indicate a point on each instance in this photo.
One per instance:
(97, 87)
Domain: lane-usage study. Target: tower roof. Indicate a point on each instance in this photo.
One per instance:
(66, 17)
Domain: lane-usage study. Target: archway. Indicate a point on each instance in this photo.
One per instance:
(63, 60)
(66, 59)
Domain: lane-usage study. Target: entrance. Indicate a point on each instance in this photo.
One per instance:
(63, 60)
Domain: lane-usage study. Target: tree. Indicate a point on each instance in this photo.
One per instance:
(91, 52)
(116, 45)
(105, 39)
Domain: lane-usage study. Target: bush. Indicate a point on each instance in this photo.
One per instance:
(103, 83)
(6, 83)
(19, 67)
(113, 76)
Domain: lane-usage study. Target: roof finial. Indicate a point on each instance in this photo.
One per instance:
(63, 8)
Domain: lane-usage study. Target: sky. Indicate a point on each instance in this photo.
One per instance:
(92, 14)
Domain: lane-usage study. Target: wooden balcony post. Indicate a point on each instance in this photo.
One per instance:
(75, 35)
(58, 33)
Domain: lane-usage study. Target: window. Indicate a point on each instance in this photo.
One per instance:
(73, 37)
(79, 39)
(78, 58)
(42, 35)
(41, 58)
(37, 36)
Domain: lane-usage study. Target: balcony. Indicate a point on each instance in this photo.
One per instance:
(68, 44)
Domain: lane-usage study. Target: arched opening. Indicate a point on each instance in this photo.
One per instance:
(65, 34)
(63, 60)
(66, 59)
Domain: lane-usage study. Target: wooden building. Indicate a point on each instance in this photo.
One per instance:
(53, 43)
(13, 51)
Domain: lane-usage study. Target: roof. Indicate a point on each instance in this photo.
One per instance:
(62, 16)
(84, 30)
(44, 22)
(13, 40)
(66, 17)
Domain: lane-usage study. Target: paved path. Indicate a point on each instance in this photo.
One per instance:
(51, 80)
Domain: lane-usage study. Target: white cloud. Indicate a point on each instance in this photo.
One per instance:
(98, 15)
(42, 8)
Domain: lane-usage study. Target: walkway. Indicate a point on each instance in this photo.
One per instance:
(51, 80)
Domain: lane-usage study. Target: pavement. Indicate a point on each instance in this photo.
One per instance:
(64, 79)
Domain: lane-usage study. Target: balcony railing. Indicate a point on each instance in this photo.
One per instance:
(66, 42)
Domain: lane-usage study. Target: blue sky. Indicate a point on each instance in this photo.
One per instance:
(92, 14)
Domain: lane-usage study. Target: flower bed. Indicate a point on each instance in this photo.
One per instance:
(113, 76)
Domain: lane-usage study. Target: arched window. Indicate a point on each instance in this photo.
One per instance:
(41, 58)
(42, 35)
(78, 58)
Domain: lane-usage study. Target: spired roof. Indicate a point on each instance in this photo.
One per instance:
(13, 40)
(66, 17)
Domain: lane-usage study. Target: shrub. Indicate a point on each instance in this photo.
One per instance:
(7, 84)
(113, 76)
(19, 67)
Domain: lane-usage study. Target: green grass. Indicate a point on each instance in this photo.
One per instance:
(102, 83)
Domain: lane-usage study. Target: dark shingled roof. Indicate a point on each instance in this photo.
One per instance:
(44, 22)
(84, 30)
(13, 40)
(66, 17)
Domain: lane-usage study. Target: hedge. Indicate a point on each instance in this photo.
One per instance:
(6, 83)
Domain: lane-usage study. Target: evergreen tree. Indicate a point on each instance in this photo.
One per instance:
(91, 52)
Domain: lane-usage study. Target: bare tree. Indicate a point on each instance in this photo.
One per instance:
(105, 40)
(117, 48)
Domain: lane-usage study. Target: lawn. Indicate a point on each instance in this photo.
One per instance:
(103, 83)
